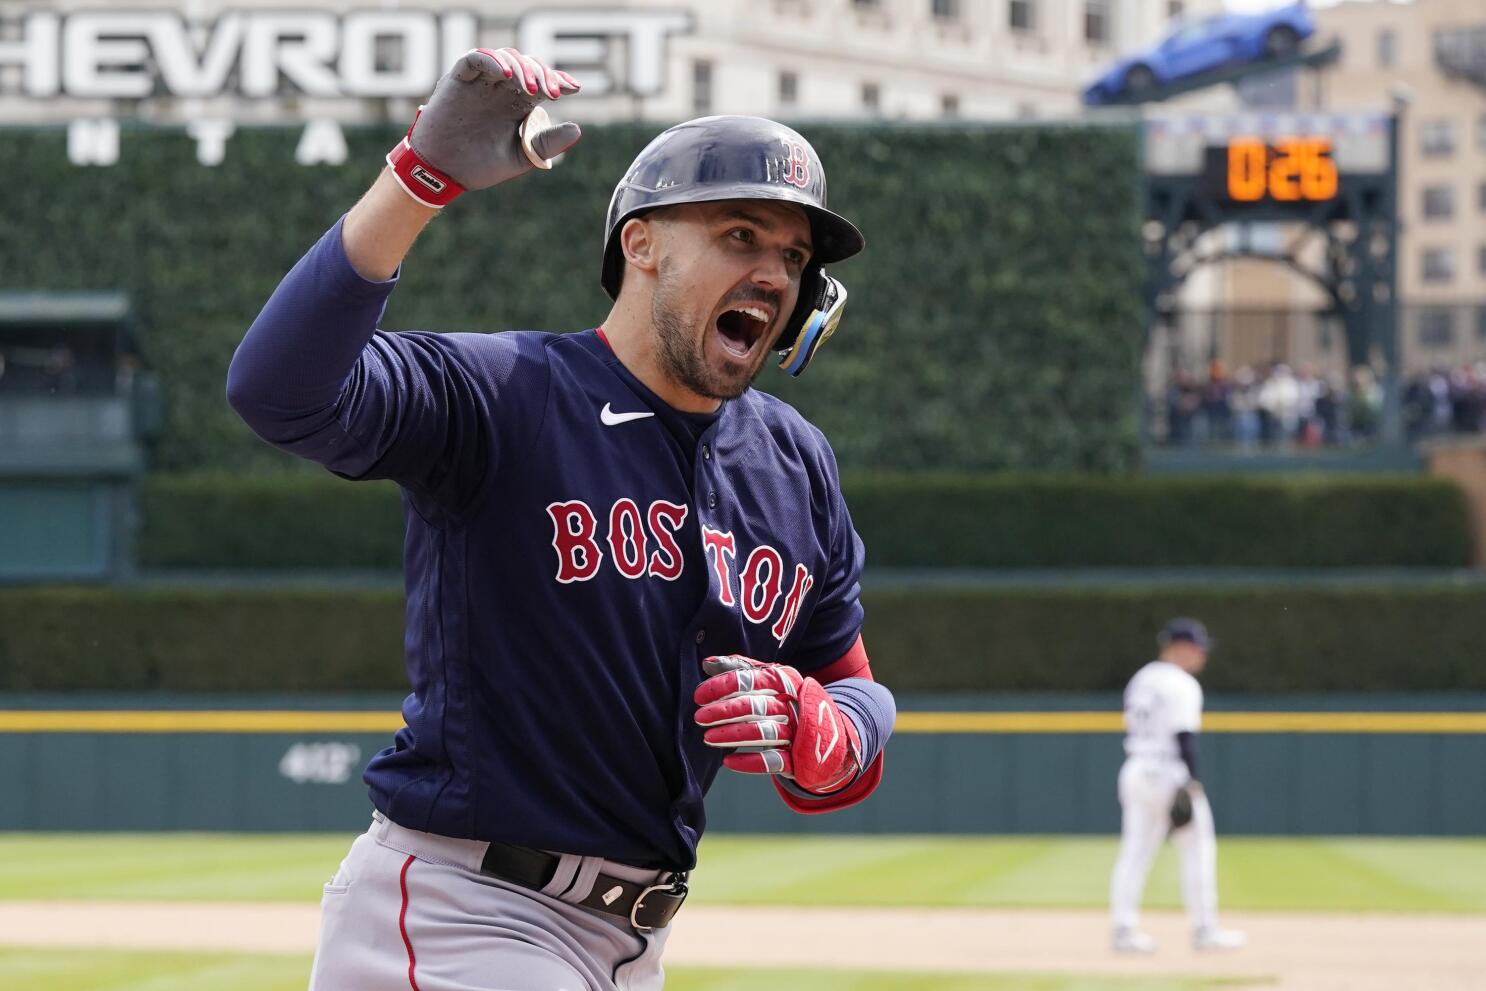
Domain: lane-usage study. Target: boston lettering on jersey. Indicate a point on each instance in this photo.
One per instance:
(760, 584)
(574, 549)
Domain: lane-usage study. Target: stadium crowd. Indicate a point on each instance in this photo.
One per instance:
(1278, 405)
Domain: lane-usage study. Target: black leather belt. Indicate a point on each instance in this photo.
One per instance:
(645, 907)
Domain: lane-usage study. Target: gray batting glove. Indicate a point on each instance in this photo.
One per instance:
(471, 128)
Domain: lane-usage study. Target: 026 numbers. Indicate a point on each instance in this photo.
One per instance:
(1290, 170)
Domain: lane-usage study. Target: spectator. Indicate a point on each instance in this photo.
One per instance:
(1243, 402)
(1217, 409)
(1183, 399)
(1280, 398)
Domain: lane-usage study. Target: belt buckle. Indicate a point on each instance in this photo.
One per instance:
(673, 885)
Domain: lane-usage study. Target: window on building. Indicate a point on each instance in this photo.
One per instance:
(946, 9)
(1437, 138)
(1481, 323)
(1387, 47)
(1437, 265)
(1481, 259)
(866, 4)
(1096, 22)
(388, 53)
(701, 87)
(1026, 111)
(1481, 197)
(789, 89)
(872, 98)
(1175, 9)
(1481, 132)
(1461, 51)
(949, 105)
(1023, 15)
(1439, 202)
(1436, 327)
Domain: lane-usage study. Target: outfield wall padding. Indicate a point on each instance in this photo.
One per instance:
(307, 779)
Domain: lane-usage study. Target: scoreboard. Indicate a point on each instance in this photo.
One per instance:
(1251, 169)
(1275, 164)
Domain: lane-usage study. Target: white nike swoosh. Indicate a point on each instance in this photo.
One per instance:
(612, 419)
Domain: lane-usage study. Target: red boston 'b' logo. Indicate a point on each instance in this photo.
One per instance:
(799, 165)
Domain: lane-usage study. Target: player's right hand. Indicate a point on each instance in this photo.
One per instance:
(470, 130)
(773, 720)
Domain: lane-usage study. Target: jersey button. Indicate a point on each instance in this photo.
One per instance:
(711, 500)
(706, 452)
(701, 635)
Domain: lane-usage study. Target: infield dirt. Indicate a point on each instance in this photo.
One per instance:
(1287, 951)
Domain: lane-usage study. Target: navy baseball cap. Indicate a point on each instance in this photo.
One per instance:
(1183, 628)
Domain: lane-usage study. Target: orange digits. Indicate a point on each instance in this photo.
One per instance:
(1318, 178)
(1292, 169)
(1246, 169)
(1284, 171)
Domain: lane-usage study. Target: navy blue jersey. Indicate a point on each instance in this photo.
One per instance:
(574, 548)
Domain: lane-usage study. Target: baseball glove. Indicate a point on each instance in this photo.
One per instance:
(1181, 808)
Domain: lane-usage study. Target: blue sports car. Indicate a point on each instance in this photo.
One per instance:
(1214, 43)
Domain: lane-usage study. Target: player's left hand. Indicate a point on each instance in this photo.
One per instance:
(775, 720)
(484, 108)
(1181, 804)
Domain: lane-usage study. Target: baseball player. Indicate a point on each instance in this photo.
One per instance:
(1161, 795)
(625, 569)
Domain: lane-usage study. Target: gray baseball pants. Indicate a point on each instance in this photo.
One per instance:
(410, 911)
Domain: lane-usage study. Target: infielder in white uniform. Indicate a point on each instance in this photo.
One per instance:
(1160, 793)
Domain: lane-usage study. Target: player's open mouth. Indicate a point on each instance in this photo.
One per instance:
(741, 326)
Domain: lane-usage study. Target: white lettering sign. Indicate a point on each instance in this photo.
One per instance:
(573, 37)
(93, 142)
(320, 763)
(322, 143)
(36, 53)
(211, 139)
(138, 54)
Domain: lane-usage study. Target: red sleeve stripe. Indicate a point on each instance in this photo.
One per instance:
(402, 923)
(852, 664)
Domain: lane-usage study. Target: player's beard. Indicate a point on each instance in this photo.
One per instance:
(682, 350)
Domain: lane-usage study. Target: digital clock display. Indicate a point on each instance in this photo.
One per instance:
(1281, 170)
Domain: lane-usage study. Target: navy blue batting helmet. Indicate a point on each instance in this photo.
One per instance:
(727, 158)
(1186, 629)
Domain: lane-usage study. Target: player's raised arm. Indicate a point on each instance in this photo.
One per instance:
(483, 126)
(311, 376)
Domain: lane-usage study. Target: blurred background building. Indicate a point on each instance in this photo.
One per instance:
(1425, 61)
(355, 61)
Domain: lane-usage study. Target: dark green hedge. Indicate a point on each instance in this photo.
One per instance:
(1240, 521)
(224, 521)
(995, 318)
(1280, 639)
(216, 520)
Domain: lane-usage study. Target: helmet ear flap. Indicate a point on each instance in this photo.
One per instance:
(817, 315)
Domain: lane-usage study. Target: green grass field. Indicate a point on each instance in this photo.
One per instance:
(1319, 874)
(1393, 875)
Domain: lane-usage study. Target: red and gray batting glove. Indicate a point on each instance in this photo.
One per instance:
(773, 720)
(483, 126)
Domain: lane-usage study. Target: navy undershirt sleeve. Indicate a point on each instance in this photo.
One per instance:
(1186, 744)
(871, 708)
